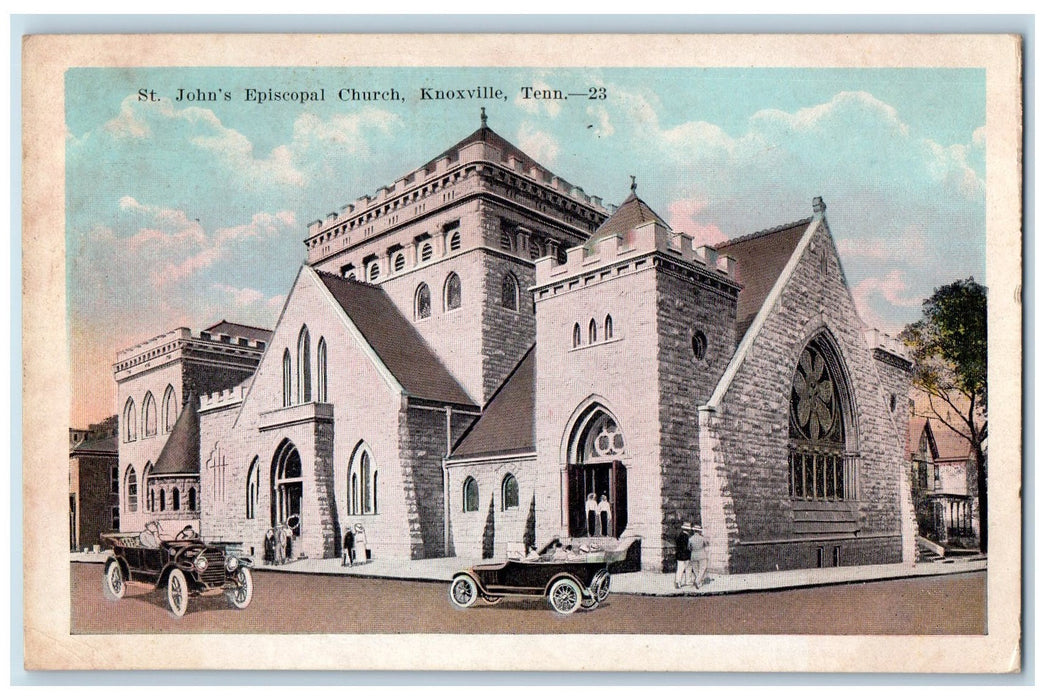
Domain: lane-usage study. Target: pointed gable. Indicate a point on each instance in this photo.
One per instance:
(507, 425)
(181, 452)
(395, 341)
(760, 259)
(632, 213)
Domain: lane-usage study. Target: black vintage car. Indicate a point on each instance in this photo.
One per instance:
(570, 580)
(184, 565)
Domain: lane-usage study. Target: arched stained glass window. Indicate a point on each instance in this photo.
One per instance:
(509, 492)
(287, 374)
(510, 292)
(149, 418)
(304, 366)
(819, 468)
(321, 371)
(170, 409)
(130, 421)
(470, 495)
(452, 292)
(132, 490)
(423, 301)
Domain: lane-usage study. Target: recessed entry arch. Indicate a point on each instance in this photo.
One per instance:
(286, 489)
(594, 451)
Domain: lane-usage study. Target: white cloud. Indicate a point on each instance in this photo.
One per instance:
(686, 216)
(892, 289)
(602, 124)
(540, 145)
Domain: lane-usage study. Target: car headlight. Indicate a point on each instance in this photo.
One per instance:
(200, 562)
(231, 563)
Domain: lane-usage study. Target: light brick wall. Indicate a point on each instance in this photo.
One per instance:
(508, 525)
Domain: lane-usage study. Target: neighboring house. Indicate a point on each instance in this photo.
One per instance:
(467, 355)
(157, 385)
(94, 484)
(943, 475)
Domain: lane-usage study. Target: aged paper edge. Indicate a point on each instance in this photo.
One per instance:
(46, 368)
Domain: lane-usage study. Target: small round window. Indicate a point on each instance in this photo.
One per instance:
(700, 345)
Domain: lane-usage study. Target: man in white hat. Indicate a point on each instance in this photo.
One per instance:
(683, 565)
(698, 555)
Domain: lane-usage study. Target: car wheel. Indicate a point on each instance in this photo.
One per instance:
(114, 584)
(241, 595)
(177, 593)
(463, 591)
(602, 587)
(565, 596)
(590, 603)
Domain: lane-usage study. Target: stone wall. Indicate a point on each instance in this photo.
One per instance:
(751, 425)
(493, 522)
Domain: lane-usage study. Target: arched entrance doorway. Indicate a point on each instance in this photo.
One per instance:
(595, 468)
(286, 487)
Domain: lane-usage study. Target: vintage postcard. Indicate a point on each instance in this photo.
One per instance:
(514, 352)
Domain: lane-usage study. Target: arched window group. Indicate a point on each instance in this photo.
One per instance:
(593, 331)
(451, 297)
(362, 483)
(303, 392)
(820, 465)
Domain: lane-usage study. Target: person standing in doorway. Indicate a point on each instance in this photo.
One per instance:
(698, 555)
(270, 547)
(346, 550)
(282, 540)
(592, 508)
(683, 566)
(604, 515)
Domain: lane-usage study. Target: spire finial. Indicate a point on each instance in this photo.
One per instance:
(819, 207)
(634, 186)
(482, 116)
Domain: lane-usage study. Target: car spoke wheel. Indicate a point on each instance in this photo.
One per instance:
(601, 589)
(241, 595)
(463, 591)
(177, 593)
(590, 603)
(114, 584)
(565, 596)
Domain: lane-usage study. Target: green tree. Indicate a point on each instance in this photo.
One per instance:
(949, 345)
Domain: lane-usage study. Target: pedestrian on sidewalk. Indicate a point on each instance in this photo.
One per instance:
(592, 507)
(346, 550)
(698, 548)
(604, 515)
(683, 567)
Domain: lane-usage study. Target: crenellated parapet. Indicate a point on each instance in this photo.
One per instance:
(176, 343)
(225, 398)
(616, 254)
(456, 174)
(889, 349)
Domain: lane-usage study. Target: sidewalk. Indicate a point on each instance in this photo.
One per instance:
(637, 583)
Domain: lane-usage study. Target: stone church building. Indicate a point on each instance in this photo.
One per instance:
(469, 354)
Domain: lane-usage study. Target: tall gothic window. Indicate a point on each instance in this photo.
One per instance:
(132, 490)
(509, 492)
(452, 292)
(608, 328)
(304, 366)
(287, 374)
(192, 498)
(321, 371)
(510, 292)
(176, 497)
(470, 495)
(818, 466)
(130, 422)
(149, 415)
(170, 409)
(593, 331)
(423, 301)
(252, 489)
(362, 483)
(576, 335)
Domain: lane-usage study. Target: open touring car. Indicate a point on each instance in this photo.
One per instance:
(183, 565)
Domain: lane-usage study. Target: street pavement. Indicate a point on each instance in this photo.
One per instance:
(636, 583)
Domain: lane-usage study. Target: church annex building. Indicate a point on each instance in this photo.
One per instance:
(469, 354)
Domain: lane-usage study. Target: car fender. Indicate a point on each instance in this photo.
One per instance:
(559, 577)
(161, 580)
(124, 569)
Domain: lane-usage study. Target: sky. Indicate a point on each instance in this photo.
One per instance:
(184, 213)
